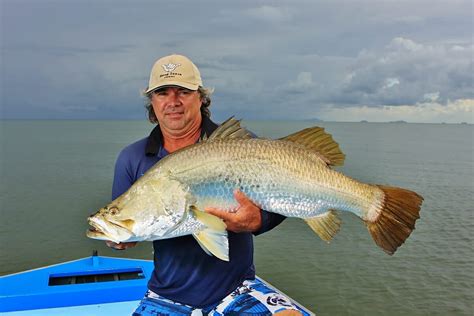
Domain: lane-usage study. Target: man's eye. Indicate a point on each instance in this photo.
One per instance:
(186, 93)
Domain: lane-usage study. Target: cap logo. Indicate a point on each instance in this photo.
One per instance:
(170, 67)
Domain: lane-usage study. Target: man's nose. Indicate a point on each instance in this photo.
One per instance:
(174, 99)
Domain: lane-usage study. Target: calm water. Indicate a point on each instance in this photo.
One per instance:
(55, 173)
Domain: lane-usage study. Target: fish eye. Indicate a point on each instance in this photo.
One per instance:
(113, 210)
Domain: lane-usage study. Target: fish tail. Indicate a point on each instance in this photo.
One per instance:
(398, 213)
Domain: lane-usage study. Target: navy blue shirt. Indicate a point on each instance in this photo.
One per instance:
(183, 271)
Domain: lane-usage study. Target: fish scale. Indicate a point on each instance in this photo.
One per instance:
(281, 177)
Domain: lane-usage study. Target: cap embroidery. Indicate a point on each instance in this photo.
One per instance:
(170, 67)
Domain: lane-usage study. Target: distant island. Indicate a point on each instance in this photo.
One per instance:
(313, 119)
(400, 121)
(364, 121)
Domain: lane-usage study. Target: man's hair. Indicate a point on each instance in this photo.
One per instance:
(204, 93)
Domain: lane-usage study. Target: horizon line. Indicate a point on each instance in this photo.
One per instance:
(248, 120)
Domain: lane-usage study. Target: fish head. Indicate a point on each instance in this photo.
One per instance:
(150, 208)
(109, 223)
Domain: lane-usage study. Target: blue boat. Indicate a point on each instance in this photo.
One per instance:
(95, 285)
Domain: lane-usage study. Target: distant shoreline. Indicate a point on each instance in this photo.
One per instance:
(243, 119)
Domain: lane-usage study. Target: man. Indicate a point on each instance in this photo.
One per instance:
(186, 280)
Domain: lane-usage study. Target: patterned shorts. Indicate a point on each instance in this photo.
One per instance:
(250, 298)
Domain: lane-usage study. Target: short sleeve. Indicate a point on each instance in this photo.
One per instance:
(123, 179)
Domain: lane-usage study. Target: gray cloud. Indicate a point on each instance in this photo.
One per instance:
(90, 59)
(405, 71)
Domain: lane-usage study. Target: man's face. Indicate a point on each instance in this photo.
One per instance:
(176, 108)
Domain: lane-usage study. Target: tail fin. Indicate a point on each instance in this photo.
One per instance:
(398, 214)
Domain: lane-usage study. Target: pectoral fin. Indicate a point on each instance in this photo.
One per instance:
(325, 225)
(213, 239)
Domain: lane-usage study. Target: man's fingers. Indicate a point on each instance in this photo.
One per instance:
(120, 246)
(218, 212)
(240, 197)
(110, 244)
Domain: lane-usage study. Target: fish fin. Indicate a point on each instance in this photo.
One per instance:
(202, 245)
(230, 129)
(203, 138)
(396, 218)
(214, 242)
(325, 225)
(213, 239)
(316, 139)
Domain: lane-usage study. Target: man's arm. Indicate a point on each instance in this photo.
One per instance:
(247, 217)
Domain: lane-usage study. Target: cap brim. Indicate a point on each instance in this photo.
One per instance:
(190, 86)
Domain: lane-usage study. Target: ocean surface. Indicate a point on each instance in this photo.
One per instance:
(55, 173)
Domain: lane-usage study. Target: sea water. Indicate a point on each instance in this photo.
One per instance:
(55, 173)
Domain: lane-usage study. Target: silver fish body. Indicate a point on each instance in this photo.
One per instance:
(280, 176)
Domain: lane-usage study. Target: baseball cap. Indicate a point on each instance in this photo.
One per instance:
(174, 70)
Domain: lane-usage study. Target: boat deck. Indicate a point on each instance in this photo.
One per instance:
(116, 309)
(93, 285)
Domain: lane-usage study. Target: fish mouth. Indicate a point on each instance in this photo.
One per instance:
(94, 230)
(103, 229)
(95, 233)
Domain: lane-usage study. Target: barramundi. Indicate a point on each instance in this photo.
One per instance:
(292, 176)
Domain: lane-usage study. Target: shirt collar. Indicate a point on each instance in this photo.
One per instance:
(155, 140)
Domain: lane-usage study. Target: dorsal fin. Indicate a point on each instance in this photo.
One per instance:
(230, 129)
(316, 139)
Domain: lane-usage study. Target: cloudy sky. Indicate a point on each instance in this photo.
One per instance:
(333, 60)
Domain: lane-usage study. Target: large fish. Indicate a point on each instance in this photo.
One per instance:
(291, 176)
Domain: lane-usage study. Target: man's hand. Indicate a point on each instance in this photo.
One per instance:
(245, 218)
(121, 245)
